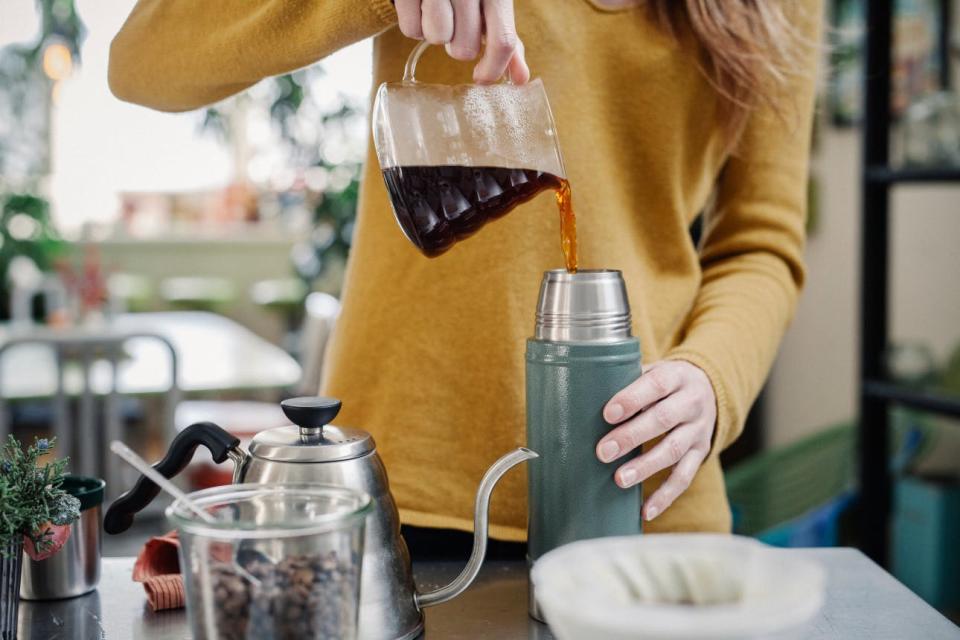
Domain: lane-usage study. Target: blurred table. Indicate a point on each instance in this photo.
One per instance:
(214, 354)
(863, 601)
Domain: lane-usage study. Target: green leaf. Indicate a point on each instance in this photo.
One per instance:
(31, 495)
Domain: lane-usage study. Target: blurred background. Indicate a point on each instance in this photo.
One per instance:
(158, 269)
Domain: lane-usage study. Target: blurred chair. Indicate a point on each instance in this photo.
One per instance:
(197, 293)
(322, 311)
(79, 357)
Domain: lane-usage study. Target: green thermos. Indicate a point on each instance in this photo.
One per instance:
(581, 354)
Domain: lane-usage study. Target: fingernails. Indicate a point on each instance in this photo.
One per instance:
(652, 512)
(627, 478)
(614, 412)
(609, 450)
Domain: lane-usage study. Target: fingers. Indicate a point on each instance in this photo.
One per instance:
(517, 69)
(467, 29)
(463, 25)
(658, 382)
(501, 41)
(437, 21)
(673, 397)
(408, 17)
(678, 482)
(666, 453)
(663, 416)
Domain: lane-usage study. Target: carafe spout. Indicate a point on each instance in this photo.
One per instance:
(480, 521)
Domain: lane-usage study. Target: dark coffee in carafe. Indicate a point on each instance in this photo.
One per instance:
(437, 206)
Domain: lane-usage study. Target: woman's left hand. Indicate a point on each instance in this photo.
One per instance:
(672, 397)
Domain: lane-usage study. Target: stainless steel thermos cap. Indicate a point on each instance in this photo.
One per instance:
(586, 306)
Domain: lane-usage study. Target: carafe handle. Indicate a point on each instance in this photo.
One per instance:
(410, 69)
(221, 444)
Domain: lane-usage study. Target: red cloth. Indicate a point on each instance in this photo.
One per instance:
(165, 592)
(158, 568)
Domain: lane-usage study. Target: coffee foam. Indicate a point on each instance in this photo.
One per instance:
(493, 125)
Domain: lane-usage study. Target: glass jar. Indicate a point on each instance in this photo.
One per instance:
(278, 562)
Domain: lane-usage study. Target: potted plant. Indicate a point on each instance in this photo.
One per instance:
(35, 516)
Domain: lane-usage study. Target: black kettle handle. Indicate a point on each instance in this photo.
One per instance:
(120, 515)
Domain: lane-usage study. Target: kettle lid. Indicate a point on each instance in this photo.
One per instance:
(310, 438)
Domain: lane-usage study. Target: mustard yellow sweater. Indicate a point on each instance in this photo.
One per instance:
(429, 353)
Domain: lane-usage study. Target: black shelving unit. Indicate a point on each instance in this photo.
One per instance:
(877, 393)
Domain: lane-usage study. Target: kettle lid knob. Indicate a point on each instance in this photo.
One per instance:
(311, 413)
(311, 438)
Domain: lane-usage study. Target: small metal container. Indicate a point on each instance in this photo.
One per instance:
(75, 569)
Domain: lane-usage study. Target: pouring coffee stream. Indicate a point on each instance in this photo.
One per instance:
(314, 451)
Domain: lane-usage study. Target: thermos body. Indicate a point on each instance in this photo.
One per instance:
(572, 495)
(581, 354)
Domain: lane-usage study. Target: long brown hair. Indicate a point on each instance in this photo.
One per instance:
(750, 50)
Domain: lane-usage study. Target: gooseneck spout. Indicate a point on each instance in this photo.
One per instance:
(480, 521)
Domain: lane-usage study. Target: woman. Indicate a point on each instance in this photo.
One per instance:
(664, 109)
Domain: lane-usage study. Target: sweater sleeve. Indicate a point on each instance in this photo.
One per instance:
(751, 253)
(176, 55)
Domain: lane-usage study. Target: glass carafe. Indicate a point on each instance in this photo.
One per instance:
(457, 156)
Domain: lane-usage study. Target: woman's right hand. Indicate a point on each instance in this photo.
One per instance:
(462, 25)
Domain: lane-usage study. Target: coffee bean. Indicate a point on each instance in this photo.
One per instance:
(303, 577)
(301, 596)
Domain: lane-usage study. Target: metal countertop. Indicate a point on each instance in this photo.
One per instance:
(863, 601)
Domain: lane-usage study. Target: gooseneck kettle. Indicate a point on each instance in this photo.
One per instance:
(312, 450)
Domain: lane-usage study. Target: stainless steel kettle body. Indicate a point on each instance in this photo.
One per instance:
(314, 452)
(388, 608)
